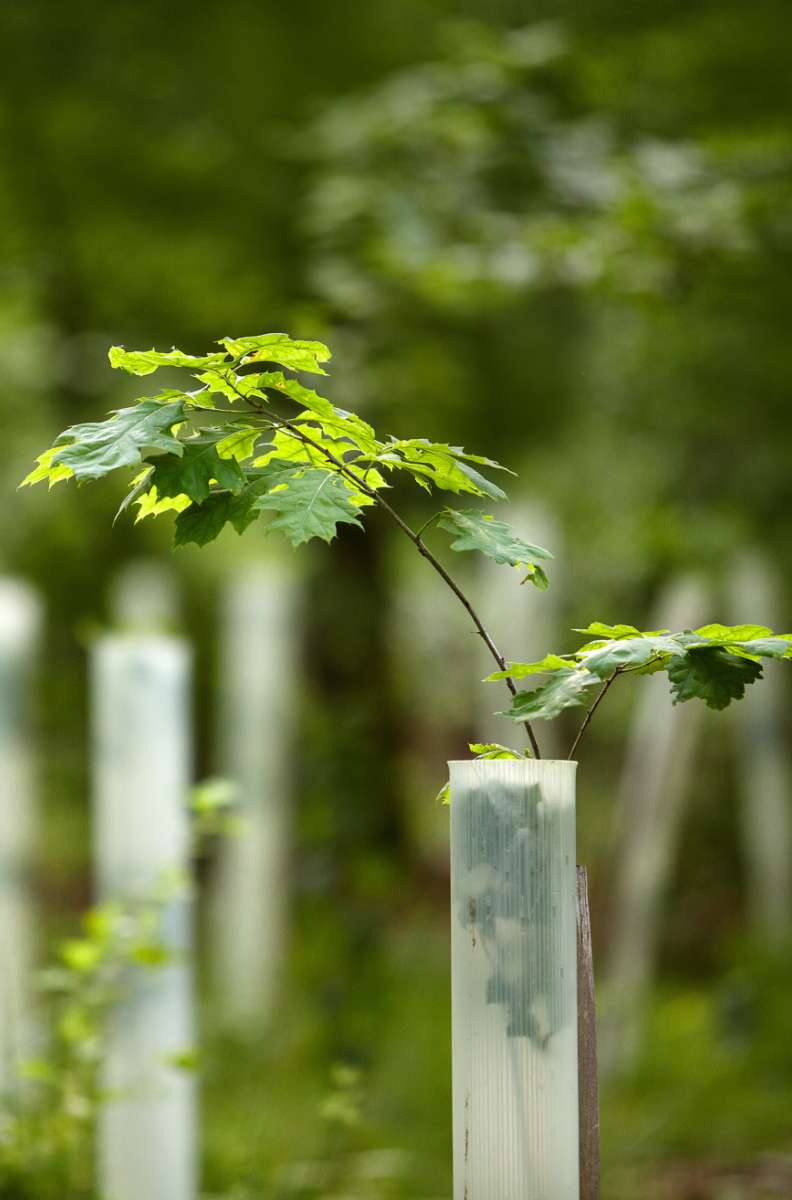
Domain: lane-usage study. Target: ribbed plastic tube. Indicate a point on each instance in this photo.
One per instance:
(257, 672)
(20, 631)
(141, 773)
(514, 980)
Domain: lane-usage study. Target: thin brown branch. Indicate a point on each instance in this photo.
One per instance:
(590, 712)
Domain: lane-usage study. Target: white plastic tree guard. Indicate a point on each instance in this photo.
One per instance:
(514, 980)
(260, 623)
(764, 777)
(144, 598)
(141, 764)
(20, 629)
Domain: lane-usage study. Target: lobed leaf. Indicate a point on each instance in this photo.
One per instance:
(201, 523)
(310, 503)
(96, 448)
(566, 689)
(711, 674)
(518, 670)
(627, 653)
(442, 466)
(490, 750)
(145, 362)
(477, 531)
(45, 469)
(192, 473)
(151, 504)
(279, 348)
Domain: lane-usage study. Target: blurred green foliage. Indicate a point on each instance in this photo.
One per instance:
(568, 247)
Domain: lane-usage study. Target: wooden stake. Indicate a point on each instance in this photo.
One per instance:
(588, 1099)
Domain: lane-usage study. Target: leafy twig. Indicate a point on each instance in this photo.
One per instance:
(420, 545)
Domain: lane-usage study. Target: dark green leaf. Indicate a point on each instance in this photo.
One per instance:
(192, 472)
(712, 675)
(310, 503)
(497, 540)
(201, 523)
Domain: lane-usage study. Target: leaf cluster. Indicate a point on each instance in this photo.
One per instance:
(244, 439)
(714, 663)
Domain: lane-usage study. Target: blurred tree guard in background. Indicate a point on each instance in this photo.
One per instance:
(21, 617)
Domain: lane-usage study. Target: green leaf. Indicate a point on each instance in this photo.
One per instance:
(45, 469)
(495, 539)
(191, 473)
(777, 646)
(445, 467)
(537, 577)
(566, 689)
(723, 634)
(711, 674)
(280, 348)
(617, 631)
(297, 392)
(518, 670)
(752, 641)
(624, 653)
(98, 447)
(310, 503)
(201, 523)
(493, 750)
(144, 362)
(151, 504)
(241, 444)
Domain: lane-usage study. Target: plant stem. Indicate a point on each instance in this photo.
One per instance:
(436, 517)
(419, 544)
(590, 712)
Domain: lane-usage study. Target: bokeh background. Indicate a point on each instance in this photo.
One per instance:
(566, 245)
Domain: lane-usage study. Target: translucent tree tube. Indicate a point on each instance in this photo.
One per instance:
(257, 672)
(20, 630)
(514, 980)
(141, 752)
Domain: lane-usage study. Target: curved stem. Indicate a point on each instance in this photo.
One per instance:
(590, 712)
(417, 541)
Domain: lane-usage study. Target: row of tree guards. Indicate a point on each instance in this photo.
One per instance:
(515, 1001)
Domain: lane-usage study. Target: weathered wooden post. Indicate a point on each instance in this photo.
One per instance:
(258, 648)
(20, 629)
(588, 1082)
(764, 777)
(655, 782)
(141, 770)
